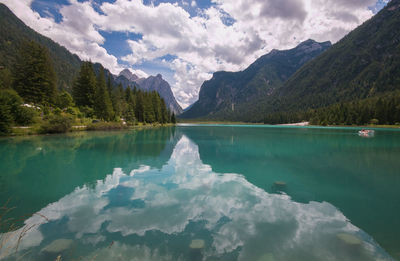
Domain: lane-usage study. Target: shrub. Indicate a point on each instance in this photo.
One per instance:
(57, 111)
(87, 111)
(57, 124)
(374, 121)
(25, 115)
(10, 102)
(106, 126)
(73, 111)
(64, 100)
(6, 119)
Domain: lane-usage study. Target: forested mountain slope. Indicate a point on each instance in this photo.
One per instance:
(228, 95)
(13, 34)
(363, 64)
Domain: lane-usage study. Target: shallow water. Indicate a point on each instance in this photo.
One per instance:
(234, 192)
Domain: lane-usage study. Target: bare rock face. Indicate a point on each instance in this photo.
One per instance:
(233, 95)
(152, 83)
(128, 75)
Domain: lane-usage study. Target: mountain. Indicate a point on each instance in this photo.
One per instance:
(128, 75)
(231, 95)
(13, 34)
(364, 64)
(152, 83)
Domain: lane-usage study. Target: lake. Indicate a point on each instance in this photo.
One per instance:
(202, 192)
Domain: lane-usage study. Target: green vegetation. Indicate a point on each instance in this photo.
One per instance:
(31, 99)
(57, 124)
(382, 110)
(364, 64)
(356, 81)
(34, 77)
(12, 111)
(236, 96)
(13, 35)
(343, 80)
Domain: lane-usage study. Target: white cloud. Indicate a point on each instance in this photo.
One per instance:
(229, 35)
(77, 31)
(139, 73)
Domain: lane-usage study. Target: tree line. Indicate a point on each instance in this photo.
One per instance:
(383, 110)
(28, 94)
(99, 98)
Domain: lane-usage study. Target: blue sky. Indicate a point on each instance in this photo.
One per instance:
(187, 40)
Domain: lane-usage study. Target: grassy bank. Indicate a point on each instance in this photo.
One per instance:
(100, 126)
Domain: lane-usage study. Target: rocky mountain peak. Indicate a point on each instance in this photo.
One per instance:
(128, 75)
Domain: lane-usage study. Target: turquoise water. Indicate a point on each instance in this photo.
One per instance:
(202, 193)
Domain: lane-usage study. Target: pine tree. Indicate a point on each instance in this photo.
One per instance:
(139, 109)
(84, 86)
(5, 78)
(148, 109)
(109, 85)
(35, 79)
(102, 106)
(118, 102)
(173, 119)
(156, 106)
(164, 112)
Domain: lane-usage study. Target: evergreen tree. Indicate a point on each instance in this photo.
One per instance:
(164, 112)
(173, 119)
(64, 100)
(102, 106)
(109, 85)
(84, 86)
(148, 108)
(156, 106)
(5, 78)
(35, 79)
(139, 109)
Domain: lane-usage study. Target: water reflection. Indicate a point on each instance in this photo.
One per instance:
(35, 171)
(186, 211)
(358, 176)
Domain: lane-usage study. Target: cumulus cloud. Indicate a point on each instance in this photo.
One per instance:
(228, 35)
(139, 73)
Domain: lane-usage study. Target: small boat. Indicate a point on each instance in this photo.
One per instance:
(366, 133)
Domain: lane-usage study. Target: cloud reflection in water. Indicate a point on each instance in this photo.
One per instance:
(153, 214)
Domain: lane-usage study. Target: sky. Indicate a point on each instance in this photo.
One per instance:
(188, 40)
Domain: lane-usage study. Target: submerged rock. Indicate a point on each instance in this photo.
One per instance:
(280, 183)
(58, 246)
(349, 239)
(197, 244)
(267, 257)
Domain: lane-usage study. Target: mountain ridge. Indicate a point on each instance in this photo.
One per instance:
(362, 64)
(13, 33)
(151, 83)
(226, 92)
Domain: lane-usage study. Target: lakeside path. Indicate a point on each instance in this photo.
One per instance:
(304, 123)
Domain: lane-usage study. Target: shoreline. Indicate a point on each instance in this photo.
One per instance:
(32, 131)
(304, 123)
(25, 131)
(298, 124)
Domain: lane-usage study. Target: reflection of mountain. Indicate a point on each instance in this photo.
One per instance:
(38, 170)
(153, 214)
(355, 175)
